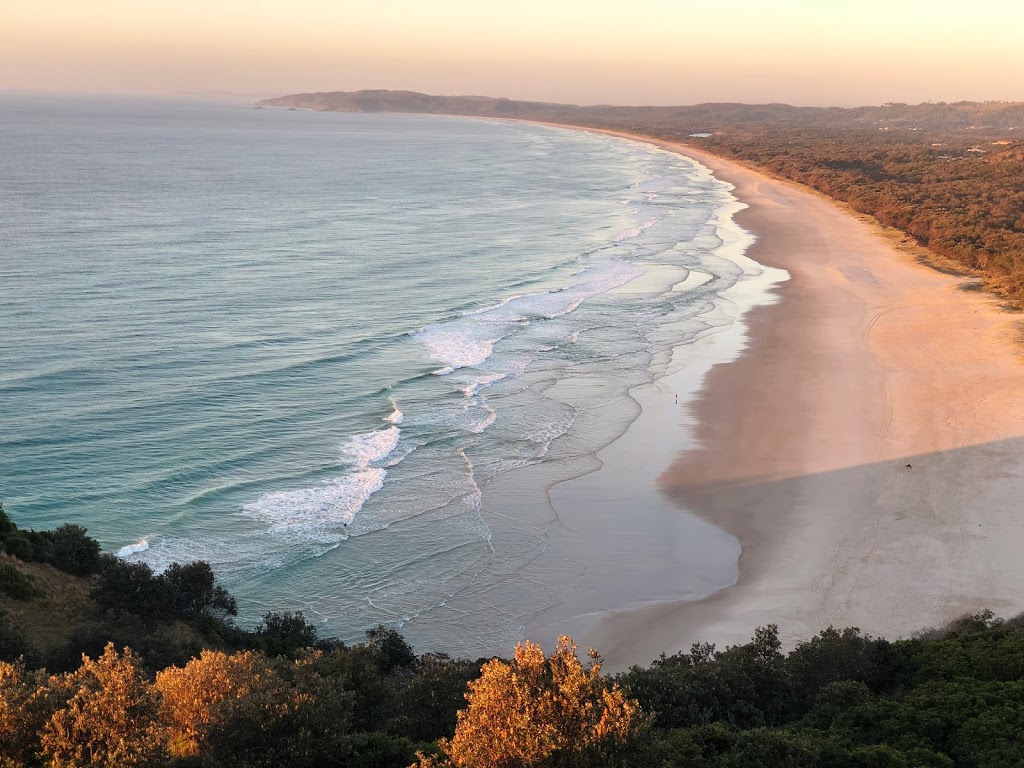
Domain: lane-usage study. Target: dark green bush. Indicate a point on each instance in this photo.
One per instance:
(20, 546)
(127, 588)
(15, 584)
(285, 634)
(74, 552)
(7, 525)
(13, 643)
(196, 592)
(68, 548)
(390, 649)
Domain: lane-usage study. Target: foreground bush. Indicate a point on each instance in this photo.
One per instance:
(533, 709)
(110, 719)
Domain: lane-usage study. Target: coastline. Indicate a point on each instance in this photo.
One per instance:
(869, 363)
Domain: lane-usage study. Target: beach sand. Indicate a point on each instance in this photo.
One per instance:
(866, 450)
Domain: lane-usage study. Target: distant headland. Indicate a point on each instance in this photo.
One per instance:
(975, 116)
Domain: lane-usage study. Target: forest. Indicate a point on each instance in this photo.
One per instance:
(155, 672)
(959, 201)
(950, 176)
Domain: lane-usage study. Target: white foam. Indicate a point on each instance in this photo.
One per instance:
(611, 275)
(162, 551)
(457, 345)
(133, 549)
(371, 447)
(475, 496)
(473, 384)
(399, 455)
(632, 232)
(545, 434)
(315, 512)
(499, 305)
(329, 505)
(487, 421)
(396, 416)
(468, 341)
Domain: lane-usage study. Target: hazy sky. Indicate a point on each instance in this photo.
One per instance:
(842, 52)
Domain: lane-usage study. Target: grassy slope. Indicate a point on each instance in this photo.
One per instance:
(47, 620)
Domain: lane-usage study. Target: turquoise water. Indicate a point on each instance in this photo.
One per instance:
(301, 346)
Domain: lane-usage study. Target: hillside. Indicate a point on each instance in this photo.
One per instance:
(47, 618)
(280, 697)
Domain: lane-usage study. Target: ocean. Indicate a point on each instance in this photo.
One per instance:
(349, 359)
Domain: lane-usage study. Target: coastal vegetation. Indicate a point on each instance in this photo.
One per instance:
(158, 674)
(949, 176)
(963, 203)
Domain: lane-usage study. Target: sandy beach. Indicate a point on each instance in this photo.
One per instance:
(866, 450)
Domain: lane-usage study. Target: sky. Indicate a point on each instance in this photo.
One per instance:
(806, 52)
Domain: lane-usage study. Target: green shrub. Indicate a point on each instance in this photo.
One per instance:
(18, 545)
(285, 634)
(127, 588)
(68, 548)
(74, 552)
(157, 645)
(196, 591)
(6, 524)
(390, 649)
(13, 643)
(15, 584)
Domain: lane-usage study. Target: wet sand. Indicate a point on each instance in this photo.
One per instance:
(866, 450)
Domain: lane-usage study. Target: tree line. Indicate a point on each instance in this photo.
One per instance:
(960, 204)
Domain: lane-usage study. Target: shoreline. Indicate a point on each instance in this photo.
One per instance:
(630, 536)
(870, 362)
(611, 537)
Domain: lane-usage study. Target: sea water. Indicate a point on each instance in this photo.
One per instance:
(305, 347)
